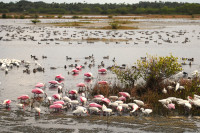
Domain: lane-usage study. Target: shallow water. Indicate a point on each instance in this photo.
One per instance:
(16, 83)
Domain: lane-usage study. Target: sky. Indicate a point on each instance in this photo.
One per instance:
(103, 1)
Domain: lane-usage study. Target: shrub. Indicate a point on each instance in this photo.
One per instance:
(110, 16)
(114, 25)
(127, 76)
(4, 15)
(75, 17)
(21, 17)
(35, 21)
(155, 69)
(59, 16)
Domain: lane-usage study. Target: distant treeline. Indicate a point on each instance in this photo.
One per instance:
(160, 7)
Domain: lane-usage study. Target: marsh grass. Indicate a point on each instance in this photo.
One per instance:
(124, 22)
(71, 24)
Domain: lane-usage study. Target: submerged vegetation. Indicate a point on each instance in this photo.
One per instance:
(28, 7)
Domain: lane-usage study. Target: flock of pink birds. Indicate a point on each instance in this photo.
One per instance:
(77, 101)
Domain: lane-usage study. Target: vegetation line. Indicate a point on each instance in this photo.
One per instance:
(27, 7)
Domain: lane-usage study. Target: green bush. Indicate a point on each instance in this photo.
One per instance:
(4, 15)
(114, 25)
(59, 16)
(75, 17)
(21, 17)
(155, 69)
(35, 21)
(127, 76)
(152, 69)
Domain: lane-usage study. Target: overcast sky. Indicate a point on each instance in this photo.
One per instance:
(102, 1)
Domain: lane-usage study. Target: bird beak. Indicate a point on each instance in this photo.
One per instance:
(88, 113)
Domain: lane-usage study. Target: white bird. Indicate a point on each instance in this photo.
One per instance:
(170, 87)
(196, 96)
(119, 102)
(66, 99)
(114, 104)
(182, 102)
(119, 108)
(80, 110)
(113, 97)
(124, 105)
(164, 91)
(135, 107)
(173, 99)
(139, 102)
(146, 111)
(107, 110)
(20, 106)
(74, 102)
(165, 101)
(188, 105)
(195, 102)
(37, 111)
(177, 86)
(94, 109)
(49, 99)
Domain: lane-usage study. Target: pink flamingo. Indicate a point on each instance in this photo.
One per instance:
(87, 80)
(125, 94)
(122, 98)
(23, 97)
(88, 75)
(83, 100)
(39, 85)
(59, 102)
(73, 92)
(102, 70)
(95, 105)
(79, 67)
(103, 82)
(81, 86)
(99, 96)
(59, 78)
(7, 102)
(37, 91)
(75, 71)
(57, 107)
(56, 96)
(106, 100)
(53, 83)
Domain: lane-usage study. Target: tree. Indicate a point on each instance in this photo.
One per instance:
(97, 10)
(86, 10)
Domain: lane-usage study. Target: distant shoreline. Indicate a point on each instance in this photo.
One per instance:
(130, 16)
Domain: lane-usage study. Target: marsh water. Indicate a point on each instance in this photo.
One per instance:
(179, 37)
